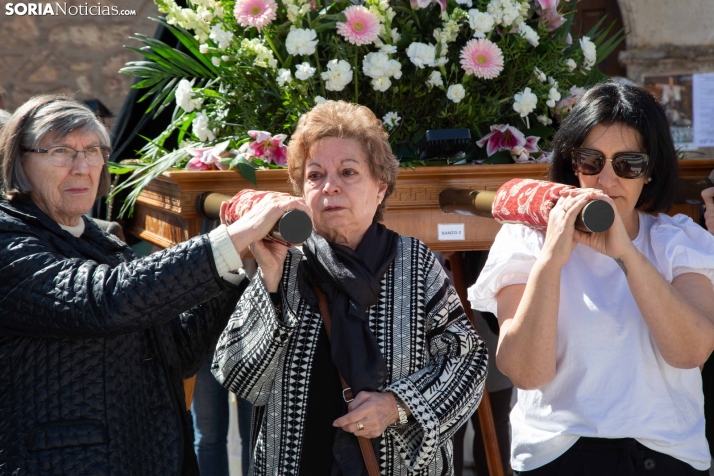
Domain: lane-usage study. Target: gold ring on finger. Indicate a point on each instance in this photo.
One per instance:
(360, 426)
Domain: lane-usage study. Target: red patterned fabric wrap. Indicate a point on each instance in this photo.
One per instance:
(526, 201)
(244, 201)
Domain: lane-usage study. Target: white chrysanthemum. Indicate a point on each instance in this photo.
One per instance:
(203, 48)
(301, 41)
(284, 77)
(480, 22)
(553, 97)
(184, 96)
(319, 100)
(528, 33)
(220, 37)
(571, 64)
(525, 102)
(304, 71)
(589, 52)
(456, 93)
(381, 83)
(200, 127)
(540, 75)
(391, 120)
(545, 120)
(421, 54)
(338, 75)
(435, 79)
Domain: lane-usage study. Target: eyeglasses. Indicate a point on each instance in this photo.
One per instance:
(62, 156)
(629, 165)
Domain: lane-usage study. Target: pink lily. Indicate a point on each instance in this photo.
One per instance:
(522, 155)
(545, 4)
(204, 159)
(268, 148)
(552, 18)
(545, 157)
(502, 137)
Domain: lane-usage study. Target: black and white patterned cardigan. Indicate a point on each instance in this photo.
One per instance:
(437, 364)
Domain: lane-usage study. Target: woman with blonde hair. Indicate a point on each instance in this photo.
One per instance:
(359, 303)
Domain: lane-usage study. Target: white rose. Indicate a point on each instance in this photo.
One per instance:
(301, 41)
(435, 79)
(200, 127)
(480, 22)
(381, 84)
(304, 71)
(525, 102)
(221, 37)
(284, 77)
(216, 61)
(203, 48)
(528, 33)
(338, 75)
(553, 97)
(589, 51)
(421, 54)
(456, 93)
(391, 120)
(184, 95)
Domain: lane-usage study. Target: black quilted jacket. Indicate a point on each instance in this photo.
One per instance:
(94, 344)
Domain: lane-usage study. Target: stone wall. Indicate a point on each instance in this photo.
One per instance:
(668, 37)
(78, 55)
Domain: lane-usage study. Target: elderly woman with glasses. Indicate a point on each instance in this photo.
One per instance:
(603, 334)
(94, 341)
(359, 306)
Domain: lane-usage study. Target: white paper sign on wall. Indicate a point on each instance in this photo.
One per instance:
(451, 232)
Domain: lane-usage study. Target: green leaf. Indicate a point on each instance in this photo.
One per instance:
(502, 157)
(246, 169)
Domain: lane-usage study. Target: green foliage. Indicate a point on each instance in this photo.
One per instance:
(235, 83)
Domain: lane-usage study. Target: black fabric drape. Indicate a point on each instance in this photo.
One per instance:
(132, 123)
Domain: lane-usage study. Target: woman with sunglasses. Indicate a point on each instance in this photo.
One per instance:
(603, 334)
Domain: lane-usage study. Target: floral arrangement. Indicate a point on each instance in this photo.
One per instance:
(506, 69)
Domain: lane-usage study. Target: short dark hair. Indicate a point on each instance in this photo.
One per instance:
(30, 123)
(634, 107)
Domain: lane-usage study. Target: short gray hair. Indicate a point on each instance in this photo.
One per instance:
(41, 116)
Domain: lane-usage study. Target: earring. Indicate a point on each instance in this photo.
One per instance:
(649, 179)
(379, 202)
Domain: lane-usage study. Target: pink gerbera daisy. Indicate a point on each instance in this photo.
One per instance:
(482, 58)
(257, 13)
(361, 27)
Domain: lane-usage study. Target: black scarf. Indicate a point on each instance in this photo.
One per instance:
(351, 281)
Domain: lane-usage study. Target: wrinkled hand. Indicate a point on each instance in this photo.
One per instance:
(259, 220)
(375, 410)
(270, 257)
(708, 196)
(614, 242)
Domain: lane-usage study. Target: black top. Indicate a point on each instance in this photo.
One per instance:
(324, 405)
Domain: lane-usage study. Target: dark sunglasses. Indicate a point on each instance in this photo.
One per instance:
(629, 165)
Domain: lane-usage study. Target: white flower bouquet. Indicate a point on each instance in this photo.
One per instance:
(247, 70)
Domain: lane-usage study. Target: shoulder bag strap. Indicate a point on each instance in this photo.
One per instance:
(365, 444)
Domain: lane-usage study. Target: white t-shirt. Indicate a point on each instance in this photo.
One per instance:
(611, 380)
